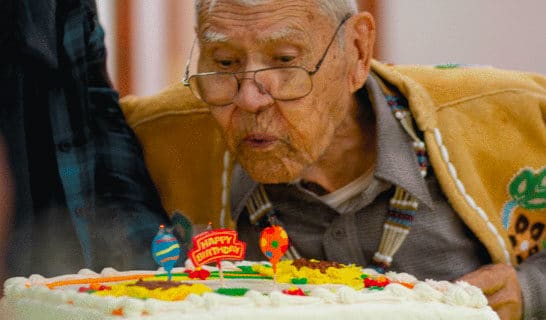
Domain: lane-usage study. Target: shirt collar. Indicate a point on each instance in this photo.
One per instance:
(396, 159)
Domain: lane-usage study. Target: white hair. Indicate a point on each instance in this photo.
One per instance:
(335, 9)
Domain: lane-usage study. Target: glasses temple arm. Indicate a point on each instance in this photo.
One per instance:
(319, 63)
(186, 78)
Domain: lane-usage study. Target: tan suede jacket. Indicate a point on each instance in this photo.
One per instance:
(485, 131)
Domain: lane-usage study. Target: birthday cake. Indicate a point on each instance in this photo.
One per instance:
(302, 289)
(290, 289)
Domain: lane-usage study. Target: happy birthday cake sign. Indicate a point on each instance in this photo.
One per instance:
(216, 245)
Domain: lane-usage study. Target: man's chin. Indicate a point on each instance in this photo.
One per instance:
(270, 172)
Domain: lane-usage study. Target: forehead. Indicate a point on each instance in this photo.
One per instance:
(271, 20)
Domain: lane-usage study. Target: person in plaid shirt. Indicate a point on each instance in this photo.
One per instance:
(83, 196)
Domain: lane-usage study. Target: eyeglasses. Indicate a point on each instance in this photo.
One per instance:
(281, 83)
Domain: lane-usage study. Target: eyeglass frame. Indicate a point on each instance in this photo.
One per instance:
(187, 77)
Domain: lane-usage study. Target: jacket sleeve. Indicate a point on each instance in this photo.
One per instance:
(126, 196)
(532, 278)
(532, 272)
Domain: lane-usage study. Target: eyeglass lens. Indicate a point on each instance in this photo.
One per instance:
(281, 83)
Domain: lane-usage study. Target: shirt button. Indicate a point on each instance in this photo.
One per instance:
(338, 233)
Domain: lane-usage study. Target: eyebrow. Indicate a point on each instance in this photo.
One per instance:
(284, 33)
(213, 36)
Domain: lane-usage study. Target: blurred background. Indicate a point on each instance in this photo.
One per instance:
(149, 41)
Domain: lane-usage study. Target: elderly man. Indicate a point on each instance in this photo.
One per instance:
(406, 168)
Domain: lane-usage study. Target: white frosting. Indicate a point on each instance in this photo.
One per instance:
(326, 295)
(87, 272)
(441, 286)
(427, 293)
(30, 299)
(398, 290)
(463, 294)
(259, 299)
(401, 277)
(347, 295)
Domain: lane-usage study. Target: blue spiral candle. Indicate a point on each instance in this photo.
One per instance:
(165, 249)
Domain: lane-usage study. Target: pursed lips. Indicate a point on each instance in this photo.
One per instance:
(259, 140)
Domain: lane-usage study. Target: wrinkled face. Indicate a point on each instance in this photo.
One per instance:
(275, 141)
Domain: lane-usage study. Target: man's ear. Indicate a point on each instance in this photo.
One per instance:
(360, 38)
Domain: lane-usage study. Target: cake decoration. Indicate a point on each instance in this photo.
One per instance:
(311, 271)
(377, 283)
(165, 249)
(198, 273)
(274, 243)
(215, 246)
(160, 290)
(294, 291)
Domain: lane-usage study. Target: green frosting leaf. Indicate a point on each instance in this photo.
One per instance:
(376, 288)
(247, 269)
(236, 292)
(298, 280)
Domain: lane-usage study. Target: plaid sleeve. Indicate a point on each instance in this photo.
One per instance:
(125, 194)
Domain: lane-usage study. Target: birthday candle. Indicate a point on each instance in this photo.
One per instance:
(274, 243)
(165, 249)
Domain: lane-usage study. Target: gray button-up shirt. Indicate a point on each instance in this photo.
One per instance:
(438, 246)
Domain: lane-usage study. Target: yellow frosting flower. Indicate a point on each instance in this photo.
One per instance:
(172, 294)
(346, 275)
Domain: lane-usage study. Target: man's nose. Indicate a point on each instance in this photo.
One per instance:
(252, 96)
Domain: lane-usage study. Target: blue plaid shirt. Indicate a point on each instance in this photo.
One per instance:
(111, 200)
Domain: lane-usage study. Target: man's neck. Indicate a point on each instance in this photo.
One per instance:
(351, 153)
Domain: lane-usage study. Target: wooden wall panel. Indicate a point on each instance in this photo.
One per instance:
(124, 27)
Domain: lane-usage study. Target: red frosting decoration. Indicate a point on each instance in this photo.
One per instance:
(198, 274)
(369, 282)
(94, 287)
(294, 292)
